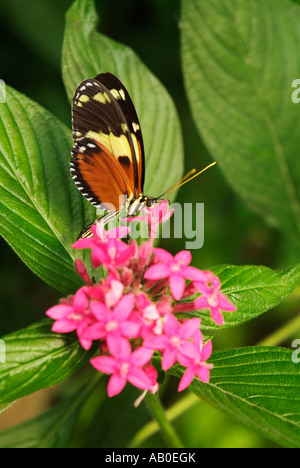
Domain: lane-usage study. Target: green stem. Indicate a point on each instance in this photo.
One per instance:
(159, 415)
(281, 335)
(172, 413)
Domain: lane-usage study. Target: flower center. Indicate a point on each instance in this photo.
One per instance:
(124, 369)
(213, 300)
(111, 325)
(112, 252)
(175, 341)
(175, 268)
(76, 317)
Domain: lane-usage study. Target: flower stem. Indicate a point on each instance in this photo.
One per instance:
(281, 335)
(158, 413)
(152, 427)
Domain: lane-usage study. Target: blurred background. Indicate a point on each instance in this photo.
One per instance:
(30, 51)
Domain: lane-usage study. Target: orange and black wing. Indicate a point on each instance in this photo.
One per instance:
(107, 160)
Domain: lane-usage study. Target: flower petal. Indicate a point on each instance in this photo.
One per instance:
(139, 379)
(117, 233)
(201, 303)
(83, 243)
(216, 315)
(100, 311)
(95, 332)
(206, 351)
(59, 311)
(224, 304)
(156, 342)
(156, 272)
(85, 343)
(116, 384)
(171, 325)
(186, 379)
(202, 288)
(177, 285)
(130, 329)
(189, 327)
(194, 274)
(124, 307)
(114, 294)
(169, 358)
(105, 364)
(81, 300)
(203, 374)
(163, 255)
(64, 326)
(120, 348)
(184, 257)
(141, 356)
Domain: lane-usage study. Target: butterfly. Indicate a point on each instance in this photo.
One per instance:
(108, 160)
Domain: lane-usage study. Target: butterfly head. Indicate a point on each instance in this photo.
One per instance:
(135, 205)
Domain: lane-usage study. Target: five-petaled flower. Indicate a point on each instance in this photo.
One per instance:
(176, 268)
(213, 299)
(125, 365)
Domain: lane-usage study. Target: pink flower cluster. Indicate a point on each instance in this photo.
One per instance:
(132, 311)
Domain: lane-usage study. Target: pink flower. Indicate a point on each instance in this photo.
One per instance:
(175, 341)
(100, 235)
(154, 215)
(147, 315)
(109, 291)
(196, 366)
(176, 269)
(114, 294)
(107, 250)
(147, 308)
(213, 299)
(73, 315)
(141, 257)
(113, 324)
(124, 366)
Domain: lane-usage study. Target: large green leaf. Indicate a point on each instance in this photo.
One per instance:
(87, 53)
(41, 211)
(37, 358)
(259, 386)
(239, 61)
(253, 290)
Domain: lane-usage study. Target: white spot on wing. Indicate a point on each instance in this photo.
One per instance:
(122, 94)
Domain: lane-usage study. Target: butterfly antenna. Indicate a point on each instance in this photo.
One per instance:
(187, 178)
(173, 187)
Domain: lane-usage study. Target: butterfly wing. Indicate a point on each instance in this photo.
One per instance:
(107, 160)
(124, 100)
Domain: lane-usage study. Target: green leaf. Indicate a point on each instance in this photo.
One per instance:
(87, 53)
(32, 433)
(259, 386)
(240, 59)
(253, 290)
(37, 358)
(41, 211)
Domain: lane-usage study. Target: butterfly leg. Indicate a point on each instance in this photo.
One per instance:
(87, 232)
